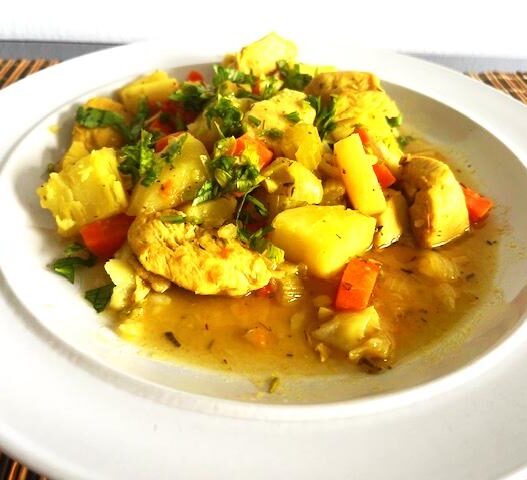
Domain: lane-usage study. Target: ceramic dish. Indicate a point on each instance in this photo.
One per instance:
(77, 402)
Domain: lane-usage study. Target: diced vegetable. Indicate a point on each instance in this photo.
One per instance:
(130, 289)
(393, 222)
(260, 57)
(289, 184)
(155, 87)
(85, 191)
(179, 180)
(356, 284)
(104, 237)
(247, 141)
(301, 142)
(259, 336)
(362, 186)
(348, 330)
(384, 175)
(322, 237)
(195, 76)
(437, 266)
(213, 213)
(478, 206)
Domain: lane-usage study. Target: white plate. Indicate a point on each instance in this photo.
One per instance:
(77, 403)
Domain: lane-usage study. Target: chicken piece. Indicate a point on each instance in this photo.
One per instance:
(438, 213)
(336, 83)
(260, 57)
(204, 261)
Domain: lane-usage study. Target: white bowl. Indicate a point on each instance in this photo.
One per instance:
(50, 337)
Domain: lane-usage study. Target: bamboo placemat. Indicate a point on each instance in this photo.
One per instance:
(11, 70)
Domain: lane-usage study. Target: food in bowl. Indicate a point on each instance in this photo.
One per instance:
(272, 219)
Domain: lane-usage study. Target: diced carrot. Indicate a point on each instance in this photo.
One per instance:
(265, 154)
(478, 206)
(356, 285)
(225, 252)
(259, 336)
(104, 237)
(194, 76)
(163, 141)
(385, 177)
(256, 87)
(364, 135)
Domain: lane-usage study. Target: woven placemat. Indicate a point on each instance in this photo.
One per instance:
(11, 70)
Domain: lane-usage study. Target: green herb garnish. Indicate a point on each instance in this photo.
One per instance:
(274, 383)
(224, 74)
(325, 114)
(174, 148)
(66, 266)
(100, 297)
(226, 116)
(138, 160)
(293, 117)
(173, 218)
(255, 122)
(90, 117)
(395, 121)
(292, 77)
(193, 96)
(258, 205)
(273, 133)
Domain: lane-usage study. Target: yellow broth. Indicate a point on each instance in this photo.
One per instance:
(415, 310)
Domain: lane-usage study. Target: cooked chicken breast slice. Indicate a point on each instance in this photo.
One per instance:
(204, 261)
(438, 211)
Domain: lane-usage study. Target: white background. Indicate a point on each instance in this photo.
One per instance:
(480, 28)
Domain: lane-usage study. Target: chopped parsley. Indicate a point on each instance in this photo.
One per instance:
(226, 116)
(138, 160)
(91, 117)
(395, 121)
(193, 96)
(173, 218)
(67, 265)
(100, 297)
(258, 205)
(292, 77)
(224, 74)
(273, 133)
(325, 114)
(174, 148)
(293, 117)
(255, 122)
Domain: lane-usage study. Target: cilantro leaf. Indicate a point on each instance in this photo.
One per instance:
(193, 96)
(100, 297)
(325, 114)
(258, 205)
(66, 266)
(224, 74)
(226, 116)
(91, 117)
(174, 148)
(292, 77)
(138, 160)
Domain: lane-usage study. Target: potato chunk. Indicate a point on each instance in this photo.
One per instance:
(90, 189)
(393, 222)
(289, 184)
(322, 237)
(362, 186)
(301, 142)
(260, 57)
(272, 115)
(155, 87)
(178, 182)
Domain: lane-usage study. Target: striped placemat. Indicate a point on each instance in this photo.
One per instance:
(11, 70)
